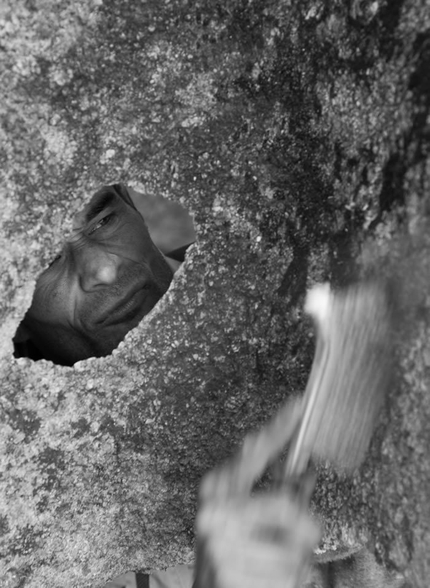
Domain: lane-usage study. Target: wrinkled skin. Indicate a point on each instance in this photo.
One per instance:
(108, 276)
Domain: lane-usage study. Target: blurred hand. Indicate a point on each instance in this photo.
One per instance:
(259, 541)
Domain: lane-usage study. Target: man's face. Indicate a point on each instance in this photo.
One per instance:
(108, 276)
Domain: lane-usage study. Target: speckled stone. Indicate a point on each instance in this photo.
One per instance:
(298, 136)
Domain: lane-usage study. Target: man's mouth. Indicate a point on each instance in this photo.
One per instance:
(135, 304)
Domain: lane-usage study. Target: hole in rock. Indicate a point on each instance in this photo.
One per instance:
(118, 262)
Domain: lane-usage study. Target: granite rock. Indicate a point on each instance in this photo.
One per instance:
(297, 134)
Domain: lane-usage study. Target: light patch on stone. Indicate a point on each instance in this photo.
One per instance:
(198, 99)
(58, 143)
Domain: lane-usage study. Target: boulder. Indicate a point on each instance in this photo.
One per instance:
(297, 134)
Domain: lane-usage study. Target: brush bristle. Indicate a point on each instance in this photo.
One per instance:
(355, 324)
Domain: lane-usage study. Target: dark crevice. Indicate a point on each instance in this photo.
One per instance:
(293, 285)
(414, 146)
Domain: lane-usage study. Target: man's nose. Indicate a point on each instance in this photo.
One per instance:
(97, 268)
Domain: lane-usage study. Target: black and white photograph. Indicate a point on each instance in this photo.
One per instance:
(215, 294)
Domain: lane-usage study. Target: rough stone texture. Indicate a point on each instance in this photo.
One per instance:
(298, 134)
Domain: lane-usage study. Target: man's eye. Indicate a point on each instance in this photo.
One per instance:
(102, 222)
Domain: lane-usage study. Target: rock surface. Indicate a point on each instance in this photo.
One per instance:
(298, 135)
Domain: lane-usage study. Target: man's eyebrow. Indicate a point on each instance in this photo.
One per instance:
(102, 202)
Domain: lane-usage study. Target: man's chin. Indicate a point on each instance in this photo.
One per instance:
(113, 332)
(110, 338)
(136, 301)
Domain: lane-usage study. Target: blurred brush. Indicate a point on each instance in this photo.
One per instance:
(349, 376)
